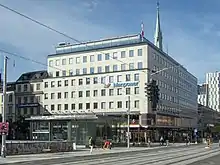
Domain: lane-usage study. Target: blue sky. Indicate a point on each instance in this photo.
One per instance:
(191, 29)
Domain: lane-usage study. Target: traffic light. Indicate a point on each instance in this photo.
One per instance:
(153, 94)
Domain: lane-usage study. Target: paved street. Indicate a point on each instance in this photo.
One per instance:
(139, 156)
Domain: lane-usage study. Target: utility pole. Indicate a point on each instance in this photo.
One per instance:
(128, 128)
(3, 150)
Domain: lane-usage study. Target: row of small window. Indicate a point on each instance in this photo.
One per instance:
(95, 105)
(182, 82)
(99, 69)
(9, 98)
(94, 93)
(167, 109)
(164, 96)
(29, 111)
(27, 87)
(95, 80)
(91, 58)
(174, 68)
(28, 99)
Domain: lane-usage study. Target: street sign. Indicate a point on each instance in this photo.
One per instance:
(4, 127)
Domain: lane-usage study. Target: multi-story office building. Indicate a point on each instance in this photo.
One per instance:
(29, 93)
(203, 94)
(212, 79)
(10, 101)
(98, 76)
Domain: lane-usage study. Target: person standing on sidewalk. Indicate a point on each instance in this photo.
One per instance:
(91, 144)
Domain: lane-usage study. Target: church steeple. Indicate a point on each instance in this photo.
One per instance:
(158, 38)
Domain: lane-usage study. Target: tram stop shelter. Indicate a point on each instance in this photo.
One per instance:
(78, 127)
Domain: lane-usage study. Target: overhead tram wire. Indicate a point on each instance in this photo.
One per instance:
(56, 31)
(59, 32)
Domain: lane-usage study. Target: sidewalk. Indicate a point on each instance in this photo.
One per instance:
(78, 153)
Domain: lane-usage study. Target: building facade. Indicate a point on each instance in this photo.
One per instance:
(99, 76)
(29, 94)
(212, 79)
(203, 94)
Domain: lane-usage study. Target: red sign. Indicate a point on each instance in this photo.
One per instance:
(4, 127)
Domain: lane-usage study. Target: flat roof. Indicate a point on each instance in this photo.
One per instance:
(63, 117)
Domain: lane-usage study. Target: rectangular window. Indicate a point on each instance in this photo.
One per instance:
(59, 83)
(136, 90)
(46, 96)
(57, 62)
(59, 107)
(92, 70)
(128, 91)
(95, 80)
(52, 95)
(73, 94)
(45, 84)
(131, 53)
(140, 65)
(122, 54)
(111, 92)
(128, 77)
(63, 61)
(81, 81)
(52, 107)
(131, 65)
(66, 83)
(73, 106)
(65, 107)
(64, 73)
(87, 105)
(70, 72)
(59, 95)
(111, 79)
(111, 105)
(136, 103)
(84, 70)
(139, 52)
(57, 73)
(25, 87)
(80, 94)
(77, 60)
(52, 84)
(119, 78)
(70, 60)
(107, 56)
(103, 105)
(92, 58)
(119, 104)
(73, 82)
(80, 106)
(87, 93)
(119, 91)
(87, 81)
(115, 55)
(65, 95)
(51, 63)
(107, 68)
(99, 69)
(99, 57)
(38, 86)
(77, 71)
(123, 67)
(103, 93)
(115, 67)
(95, 93)
(84, 59)
(95, 105)
(136, 77)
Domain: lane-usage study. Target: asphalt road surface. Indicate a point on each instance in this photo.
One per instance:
(191, 155)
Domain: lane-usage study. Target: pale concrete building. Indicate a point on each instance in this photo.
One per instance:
(99, 76)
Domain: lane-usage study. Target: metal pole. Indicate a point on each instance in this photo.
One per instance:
(3, 150)
(129, 107)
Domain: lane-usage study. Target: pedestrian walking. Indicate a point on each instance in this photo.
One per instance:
(91, 144)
